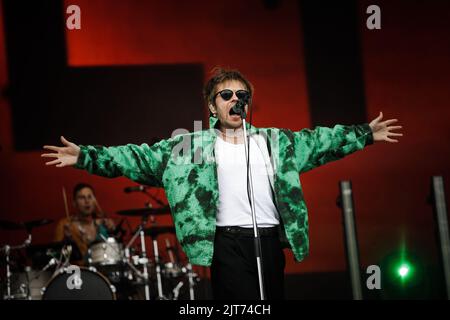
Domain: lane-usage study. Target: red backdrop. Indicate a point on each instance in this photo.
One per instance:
(406, 74)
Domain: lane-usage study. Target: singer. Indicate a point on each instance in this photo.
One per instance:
(208, 198)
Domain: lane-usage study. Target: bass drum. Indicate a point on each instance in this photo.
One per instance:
(87, 284)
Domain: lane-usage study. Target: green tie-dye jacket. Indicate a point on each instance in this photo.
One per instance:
(185, 166)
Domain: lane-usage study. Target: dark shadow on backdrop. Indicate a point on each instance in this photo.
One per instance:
(333, 62)
(91, 105)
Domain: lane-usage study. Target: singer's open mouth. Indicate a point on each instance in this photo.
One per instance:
(232, 112)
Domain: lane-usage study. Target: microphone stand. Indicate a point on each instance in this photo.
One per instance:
(257, 238)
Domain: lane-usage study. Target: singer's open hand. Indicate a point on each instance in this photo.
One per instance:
(65, 156)
(382, 131)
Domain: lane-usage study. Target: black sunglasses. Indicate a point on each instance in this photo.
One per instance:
(227, 94)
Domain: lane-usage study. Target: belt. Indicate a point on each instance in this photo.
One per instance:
(270, 231)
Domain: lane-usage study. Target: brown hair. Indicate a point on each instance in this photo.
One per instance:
(80, 186)
(221, 75)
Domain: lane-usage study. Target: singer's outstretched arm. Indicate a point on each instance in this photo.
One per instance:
(317, 147)
(141, 163)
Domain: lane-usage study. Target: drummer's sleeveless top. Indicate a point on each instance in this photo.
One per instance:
(78, 238)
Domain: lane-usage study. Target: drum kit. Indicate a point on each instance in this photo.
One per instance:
(114, 270)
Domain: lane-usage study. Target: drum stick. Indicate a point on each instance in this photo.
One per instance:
(66, 207)
(97, 205)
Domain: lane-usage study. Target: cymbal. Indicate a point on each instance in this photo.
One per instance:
(156, 230)
(37, 223)
(10, 225)
(144, 211)
(45, 246)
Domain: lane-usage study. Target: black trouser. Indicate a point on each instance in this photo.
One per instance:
(234, 273)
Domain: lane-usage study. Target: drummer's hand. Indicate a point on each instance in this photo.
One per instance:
(109, 224)
(67, 232)
(65, 156)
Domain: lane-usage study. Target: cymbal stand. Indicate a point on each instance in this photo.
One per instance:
(144, 259)
(7, 249)
(158, 269)
(171, 268)
(191, 281)
(170, 250)
(176, 290)
(127, 256)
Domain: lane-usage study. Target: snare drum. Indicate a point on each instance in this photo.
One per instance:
(105, 253)
(87, 284)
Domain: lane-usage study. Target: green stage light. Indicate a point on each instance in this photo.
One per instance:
(403, 270)
(403, 276)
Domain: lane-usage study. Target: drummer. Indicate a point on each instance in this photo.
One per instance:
(88, 225)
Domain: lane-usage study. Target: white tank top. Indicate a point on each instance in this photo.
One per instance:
(234, 207)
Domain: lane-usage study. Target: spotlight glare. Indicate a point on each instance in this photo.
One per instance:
(403, 270)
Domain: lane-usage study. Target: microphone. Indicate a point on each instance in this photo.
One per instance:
(135, 188)
(239, 108)
(143, 189)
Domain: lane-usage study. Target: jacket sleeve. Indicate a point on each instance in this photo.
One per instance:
(141, 163)
(317, 147)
